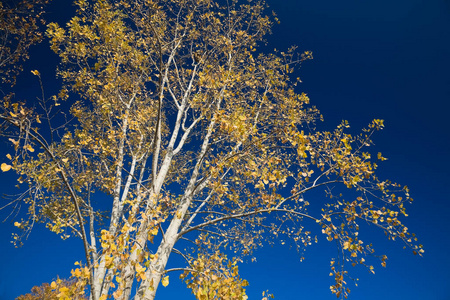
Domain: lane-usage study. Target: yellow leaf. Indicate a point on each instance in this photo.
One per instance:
(53, 285)
(346, 245)
(154, 231)
(8, 156)
(63, 290)
(108, 261)
(16, 143)
(139, 268)
(103, 297)
(116, 294)
(12, 114)
(35, 72)
(17, 224)
(64, 160)
(165, 281)
(5, 167)
(380, 157)
(77, 273)
(29, 148)
(38, 120)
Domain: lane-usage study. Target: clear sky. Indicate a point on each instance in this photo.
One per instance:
(372, 59)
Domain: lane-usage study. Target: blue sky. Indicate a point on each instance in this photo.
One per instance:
(372, 59)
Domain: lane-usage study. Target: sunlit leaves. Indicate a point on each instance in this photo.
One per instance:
(59, 289)
(29, 148)
(165, 281)
(178, 132)
(215, 277)
(5, 167)
(19, 30)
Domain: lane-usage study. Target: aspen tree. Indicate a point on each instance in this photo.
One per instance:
(200, 145)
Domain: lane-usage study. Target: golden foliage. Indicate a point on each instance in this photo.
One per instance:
(19, 29)
(58, 289)
(185, 133)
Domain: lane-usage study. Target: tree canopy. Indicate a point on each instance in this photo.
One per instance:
(174, 134)
(73, 289)
(19, 29)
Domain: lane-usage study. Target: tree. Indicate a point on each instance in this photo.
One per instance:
(196, 143)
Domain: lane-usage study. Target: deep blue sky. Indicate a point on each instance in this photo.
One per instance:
(372, 59)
